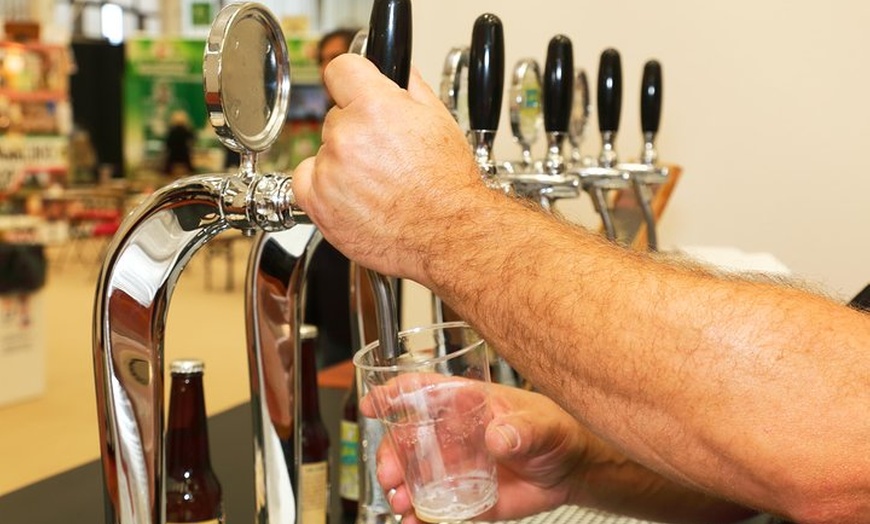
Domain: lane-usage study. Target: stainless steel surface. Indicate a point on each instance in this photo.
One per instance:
(525, 107)
(608, 157)
(482, 142)
(135, 285)
(554, 163)
(274, 304)
(649, 155)
(579, 116)
(247, 102)
(358, 44)
(542, 185)
(373, 507)
(454, 85)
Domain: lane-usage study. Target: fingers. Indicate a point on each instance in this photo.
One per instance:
(391, 479)
(349, 76)
(301, 182)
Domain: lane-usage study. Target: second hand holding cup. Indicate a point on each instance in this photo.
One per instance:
(434, 404)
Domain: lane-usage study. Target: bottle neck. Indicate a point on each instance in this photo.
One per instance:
(187, 430)
(310, 396)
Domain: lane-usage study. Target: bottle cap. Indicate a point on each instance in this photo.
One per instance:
(186, 366)
(308, 332)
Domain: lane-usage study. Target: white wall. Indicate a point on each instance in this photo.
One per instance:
(766, 106)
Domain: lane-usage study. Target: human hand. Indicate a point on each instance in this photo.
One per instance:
(393, 170)
(537, 445)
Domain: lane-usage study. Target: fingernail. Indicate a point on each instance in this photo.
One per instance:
(510, 436)
(390, 495)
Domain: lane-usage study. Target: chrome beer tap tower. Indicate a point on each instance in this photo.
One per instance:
(247, 86)
(608, 173)
(548, 180)
(561, 100)
(647, 173)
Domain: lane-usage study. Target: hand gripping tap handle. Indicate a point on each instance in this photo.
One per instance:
(486, 73)
(485, 88)
(650, 109)
(609, 104)
(558, 94)
(389, 48)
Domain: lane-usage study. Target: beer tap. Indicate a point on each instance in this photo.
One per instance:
(647, 171)
(603, 176)
(485, 87)
(471, 87)
(246, 77)
(550, 180)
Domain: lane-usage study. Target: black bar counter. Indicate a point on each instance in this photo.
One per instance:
(76, 496)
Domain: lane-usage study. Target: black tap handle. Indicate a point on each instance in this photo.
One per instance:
(651, 97)
(389, 41)
(485, 73)
(389, 47)
(558, 84)
(609, 91)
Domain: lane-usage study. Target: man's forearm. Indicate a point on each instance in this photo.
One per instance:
(745, 389)
(616, 484)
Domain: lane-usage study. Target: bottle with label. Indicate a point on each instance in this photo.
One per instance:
(193, 492)
(348, 480)
(314, 463)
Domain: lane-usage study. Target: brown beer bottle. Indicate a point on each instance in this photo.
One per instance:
(193, 493)
(348, 468)
(314, 466)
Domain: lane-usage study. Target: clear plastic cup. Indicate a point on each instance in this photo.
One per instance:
(434, 404)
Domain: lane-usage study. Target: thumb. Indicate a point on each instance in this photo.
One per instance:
(524, 436)
(513, 437)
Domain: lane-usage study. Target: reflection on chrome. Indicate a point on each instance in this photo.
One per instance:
(135, 286)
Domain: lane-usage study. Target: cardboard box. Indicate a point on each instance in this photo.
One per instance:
(22, 347)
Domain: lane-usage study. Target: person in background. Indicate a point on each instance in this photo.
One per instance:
(179, 146)
(327, 305)
(657, 377)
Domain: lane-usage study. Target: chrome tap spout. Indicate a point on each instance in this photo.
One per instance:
(136, 282)
(135, 286)
(274, 305)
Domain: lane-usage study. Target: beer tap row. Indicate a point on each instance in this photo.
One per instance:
(558, 101)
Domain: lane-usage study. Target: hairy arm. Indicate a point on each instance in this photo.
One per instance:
(755, 392)
(750, 390)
